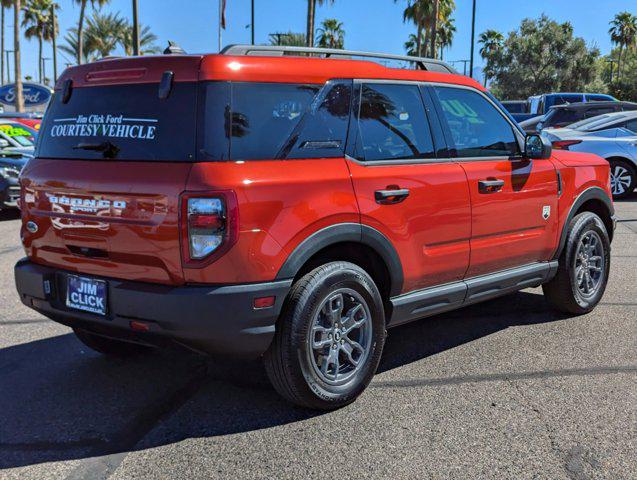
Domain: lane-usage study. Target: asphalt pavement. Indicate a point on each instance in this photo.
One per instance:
(505, 389)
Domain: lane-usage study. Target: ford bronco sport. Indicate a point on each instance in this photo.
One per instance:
(295, 208)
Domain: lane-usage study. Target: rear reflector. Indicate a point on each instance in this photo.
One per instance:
(264, 302)
(139, 326)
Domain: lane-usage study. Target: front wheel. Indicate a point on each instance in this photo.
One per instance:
(623, 178)
(329, 338)
(584, 265)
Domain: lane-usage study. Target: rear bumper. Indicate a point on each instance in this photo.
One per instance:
(210, 319)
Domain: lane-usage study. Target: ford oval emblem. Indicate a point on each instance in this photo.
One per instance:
(32, 227)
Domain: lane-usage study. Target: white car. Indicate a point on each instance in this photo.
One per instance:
(618, 145)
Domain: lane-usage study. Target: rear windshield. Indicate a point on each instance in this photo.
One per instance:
(123, 122)
(562, 98)
(561, 115)
(515, 107)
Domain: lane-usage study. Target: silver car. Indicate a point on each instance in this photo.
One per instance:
(618, 145)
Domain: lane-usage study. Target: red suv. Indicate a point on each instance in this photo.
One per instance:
(295, 208)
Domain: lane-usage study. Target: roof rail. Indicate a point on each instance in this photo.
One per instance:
(428, 64)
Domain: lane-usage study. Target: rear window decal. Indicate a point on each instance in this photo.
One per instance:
(110, 126)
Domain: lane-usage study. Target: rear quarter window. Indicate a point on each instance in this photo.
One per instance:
(132, 118)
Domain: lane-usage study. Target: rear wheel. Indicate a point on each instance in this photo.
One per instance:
(109, 346)
(623, 178)
(583, 266)
(329, 338)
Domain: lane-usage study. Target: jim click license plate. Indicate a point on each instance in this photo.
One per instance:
(86, 294)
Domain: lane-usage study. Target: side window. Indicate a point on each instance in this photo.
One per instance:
(263, 117)
(392, 124)
(477, 128)
(323, 130)
(632, 125)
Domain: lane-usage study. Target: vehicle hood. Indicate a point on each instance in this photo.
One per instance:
(579, 159)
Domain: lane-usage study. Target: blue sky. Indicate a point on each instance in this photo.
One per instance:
(374, 25)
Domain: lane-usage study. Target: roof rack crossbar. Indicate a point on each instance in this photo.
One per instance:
(278, 50)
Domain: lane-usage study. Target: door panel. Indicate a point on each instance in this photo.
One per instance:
(508, 227)
(430, 229)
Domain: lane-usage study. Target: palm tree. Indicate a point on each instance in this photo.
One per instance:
(331, 34)
(411, 45)
(80, 24)
(104, 32)
(427, 15)
(623, 32)
(19, 99)
(311, 14)
(71, 46)
(492, 42)
(147, 40)
(418, 11)
(38, 23)
(288, 39)
(3, 4)
(446, 31)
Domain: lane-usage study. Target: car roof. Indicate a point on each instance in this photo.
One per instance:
(279, 69)
(587, 105)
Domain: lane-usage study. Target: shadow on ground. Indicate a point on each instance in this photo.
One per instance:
(59, 401)
(10, 214)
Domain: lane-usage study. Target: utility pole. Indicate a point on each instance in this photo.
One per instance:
(252, 23)
(2, 48)
(135, 30)
(473, 37)
(54, 41)
(19, 98)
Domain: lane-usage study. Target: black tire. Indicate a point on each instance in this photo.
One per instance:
(563, 291)
(110, 346)
(621, 190)
(291, 362)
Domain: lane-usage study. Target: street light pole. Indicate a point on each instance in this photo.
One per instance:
(473, 37)
(135, 30)
(252, 22)
(7, 54)
(54, 42)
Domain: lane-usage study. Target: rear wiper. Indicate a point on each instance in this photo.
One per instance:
(109, 149)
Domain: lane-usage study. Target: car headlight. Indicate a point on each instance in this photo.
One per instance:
(9, 171)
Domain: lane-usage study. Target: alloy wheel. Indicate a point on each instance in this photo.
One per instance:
(589, 264)
(620, 179)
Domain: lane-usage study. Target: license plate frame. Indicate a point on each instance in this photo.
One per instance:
(87, 294)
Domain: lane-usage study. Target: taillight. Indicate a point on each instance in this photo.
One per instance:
(209, 225)
(564, 144)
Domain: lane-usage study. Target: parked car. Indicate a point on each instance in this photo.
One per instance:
(11, 164)
(541, 104)
(617, 145)
(17, 135)
(563, 115)
(303, 207)
(30, 119)
(615, 120)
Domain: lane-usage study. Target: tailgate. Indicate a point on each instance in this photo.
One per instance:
(112, 219)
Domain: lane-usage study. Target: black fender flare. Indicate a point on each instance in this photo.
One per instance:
(592, 193)
(346, 232)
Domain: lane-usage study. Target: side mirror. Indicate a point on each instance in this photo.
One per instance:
(537, 146)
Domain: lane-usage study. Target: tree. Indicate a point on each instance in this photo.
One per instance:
(3, 4)
(19, 99)
(446, 31)
(427, 16)
(623, 32)
(331, 34)
(542, 56)
(38, 23)
(80, 24)
(104, 32)
(492, 42)
(71, 46)
(417, 11)
(147, 40)
(311, 14)
(411, 45)
(288, 39)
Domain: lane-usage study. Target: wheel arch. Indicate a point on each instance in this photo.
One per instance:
(353, 242)
(595, 200)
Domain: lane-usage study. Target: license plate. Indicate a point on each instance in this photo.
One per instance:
(86, 294)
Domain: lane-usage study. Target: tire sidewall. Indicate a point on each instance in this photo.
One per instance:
(352, 277)
(582, 224)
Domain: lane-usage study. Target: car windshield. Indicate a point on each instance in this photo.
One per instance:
(20, 134)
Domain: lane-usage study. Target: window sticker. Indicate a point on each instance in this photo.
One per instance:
(110, 126)
(461, 110)
(13, 131)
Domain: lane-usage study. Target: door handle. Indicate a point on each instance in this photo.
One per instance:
(490, 186)
(389, 197)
